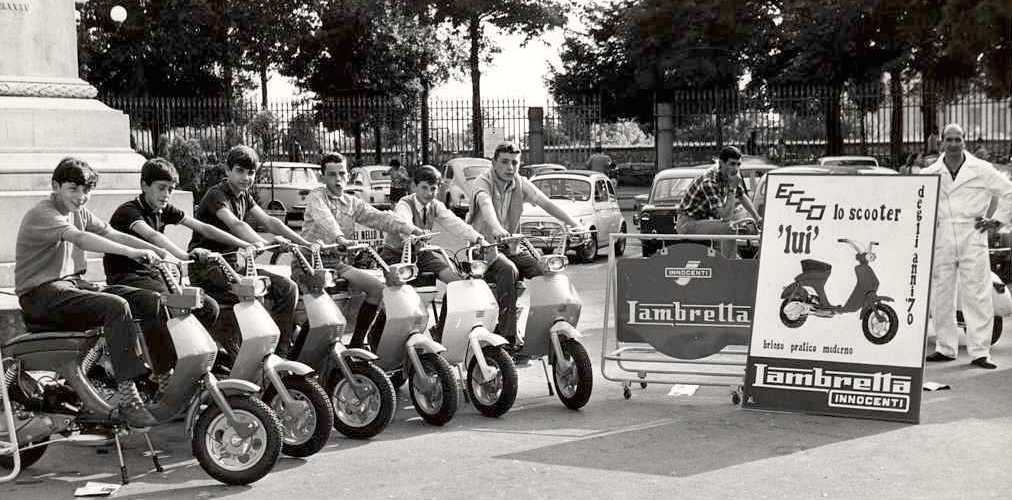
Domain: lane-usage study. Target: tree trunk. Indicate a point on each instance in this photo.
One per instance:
(263, 84)
(929, 114)
(896, 119)
(474, 33)
(425, 121)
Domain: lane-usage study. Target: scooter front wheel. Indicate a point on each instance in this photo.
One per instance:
(227, 456)
(879, 324)
(494, 397)
(305, 432)
(574, 383)
(365, 412)
(791, 313)
(438, 404)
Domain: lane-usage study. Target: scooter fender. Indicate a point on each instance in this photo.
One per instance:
(790, 290)
(562, 329)
(274, 366)
(426, 344)
(480, 337)
(224, 388)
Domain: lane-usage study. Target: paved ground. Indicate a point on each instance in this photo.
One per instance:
(651, 446)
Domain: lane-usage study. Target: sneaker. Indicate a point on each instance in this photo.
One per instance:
(131, 408)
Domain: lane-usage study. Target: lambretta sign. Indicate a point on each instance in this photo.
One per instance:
(871, 391)
(685, 302)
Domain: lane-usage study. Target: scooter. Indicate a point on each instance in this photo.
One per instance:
(405, 348)
(470, 316)
(291, 388)
(234, 436)
(806, 295)
(548, 310)
(363, 398)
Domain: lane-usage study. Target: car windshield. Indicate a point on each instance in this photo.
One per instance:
(670, 190)
(380, 175)
(564, 189)
(473, 171)
(850, 162)
(288, 175)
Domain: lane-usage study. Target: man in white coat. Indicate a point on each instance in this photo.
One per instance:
(967, 186)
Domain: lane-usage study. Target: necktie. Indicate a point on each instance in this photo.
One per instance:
(425, 216)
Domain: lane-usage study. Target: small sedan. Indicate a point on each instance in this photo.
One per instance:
(540, 168)
(455, 188)
(282, 186)
(371, 183)
(587, 196)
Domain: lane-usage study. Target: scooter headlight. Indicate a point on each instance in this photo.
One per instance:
(404, 273)
(554, 263)
(478, 268)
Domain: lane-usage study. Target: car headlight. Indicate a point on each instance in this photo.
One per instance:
(645, 216)
(554, 263)
(404, 273)
(478, 268)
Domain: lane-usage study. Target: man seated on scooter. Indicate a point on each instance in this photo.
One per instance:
(496, 206)
(424, 211)
(331, 214)
(48, 278)
(710, 201)
(227, 206)
(146, 217)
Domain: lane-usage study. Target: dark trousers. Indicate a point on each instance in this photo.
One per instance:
(505, 271)
(61, 305)
(282, 292)
(396, 193)
(156, 333)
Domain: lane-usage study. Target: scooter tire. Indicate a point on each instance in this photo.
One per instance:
(508, 391)
(28, 457)
(792, 323)
(446, 378)
(384, 390)
(890, 332)
(578, 397)
(272, 445)
(307, 389)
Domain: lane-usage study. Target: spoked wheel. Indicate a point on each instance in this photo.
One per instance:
(588, 252)
(365, 413)
(436, 398)
(574, 375)
(495, 396)
(879, 324)
(792, 313)
(228, 456)
(307, 426)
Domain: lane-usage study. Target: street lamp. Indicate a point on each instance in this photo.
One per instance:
(118, 14)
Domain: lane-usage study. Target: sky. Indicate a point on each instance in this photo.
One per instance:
(516, 72)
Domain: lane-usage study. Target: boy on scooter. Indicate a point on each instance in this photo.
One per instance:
(145, 217)
(331, 214)
(48, 278)
(496, 206)
(227, 206)
(424, 211)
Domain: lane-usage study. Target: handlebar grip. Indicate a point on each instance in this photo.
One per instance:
(841, 240)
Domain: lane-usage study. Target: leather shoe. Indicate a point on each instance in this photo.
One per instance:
(984, 363)
(937, 356)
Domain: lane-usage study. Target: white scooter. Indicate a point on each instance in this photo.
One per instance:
(470, 317)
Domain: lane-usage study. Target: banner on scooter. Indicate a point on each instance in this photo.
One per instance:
(842, 295)
(687, 301)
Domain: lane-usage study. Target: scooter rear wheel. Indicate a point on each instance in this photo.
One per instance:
(495, 397)
(214, 442)
(362, 416)
(786, 319)
(440, 405)
(575, 385)
(313, 435)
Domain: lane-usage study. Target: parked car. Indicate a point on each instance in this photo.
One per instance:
(587, 196)
(540, 168)
(633, 173)
(848, 161)
(455, 188)
(282, 186)
(371, 183)
(759, 197)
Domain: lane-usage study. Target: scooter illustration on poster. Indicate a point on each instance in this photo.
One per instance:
(806, 295)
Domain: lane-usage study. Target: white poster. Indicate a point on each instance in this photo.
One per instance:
(491, 137)
(845, 268)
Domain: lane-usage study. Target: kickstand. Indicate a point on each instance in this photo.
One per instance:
(124, 477)
(153, 453)
(548, 380)
(467, 397)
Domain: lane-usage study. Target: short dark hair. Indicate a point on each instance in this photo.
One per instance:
(505, 147)
(242, 156)
(729, 152)
(332, 157)
(395, 163)
(76, 171)
(158, 169)
(427, 173)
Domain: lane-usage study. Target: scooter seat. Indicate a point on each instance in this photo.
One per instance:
(815, 266)
(50, 341)
(424, 279)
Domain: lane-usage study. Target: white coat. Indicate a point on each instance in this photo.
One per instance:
(961, 252)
